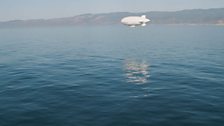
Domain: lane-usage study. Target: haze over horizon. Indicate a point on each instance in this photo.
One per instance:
(31, 9)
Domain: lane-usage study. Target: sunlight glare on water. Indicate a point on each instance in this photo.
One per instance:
(137, 72)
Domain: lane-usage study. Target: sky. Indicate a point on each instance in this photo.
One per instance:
(35, 9)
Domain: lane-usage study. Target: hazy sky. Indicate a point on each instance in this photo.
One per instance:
(30, 9)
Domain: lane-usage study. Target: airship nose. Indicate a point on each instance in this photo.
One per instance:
(123, 21)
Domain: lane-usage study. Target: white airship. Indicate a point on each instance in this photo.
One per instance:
(134, 21)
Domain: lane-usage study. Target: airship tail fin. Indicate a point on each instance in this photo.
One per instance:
(143, 16)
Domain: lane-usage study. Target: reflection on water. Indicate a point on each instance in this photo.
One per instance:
(136, 72)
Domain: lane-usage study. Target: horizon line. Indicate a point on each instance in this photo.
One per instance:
(106, 13)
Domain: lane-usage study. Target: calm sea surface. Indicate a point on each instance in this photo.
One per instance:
(112, 76)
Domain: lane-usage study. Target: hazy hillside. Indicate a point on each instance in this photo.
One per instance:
(196, 16)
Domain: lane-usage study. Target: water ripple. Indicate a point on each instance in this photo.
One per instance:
(136, 72)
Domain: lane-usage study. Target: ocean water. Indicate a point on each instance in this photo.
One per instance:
(112, 76)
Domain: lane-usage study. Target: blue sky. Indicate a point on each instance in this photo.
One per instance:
(32, 9)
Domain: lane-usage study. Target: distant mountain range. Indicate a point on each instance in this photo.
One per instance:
(194, 17)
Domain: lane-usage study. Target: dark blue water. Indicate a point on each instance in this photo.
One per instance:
(112, 76)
